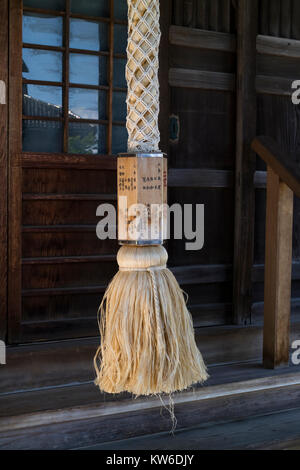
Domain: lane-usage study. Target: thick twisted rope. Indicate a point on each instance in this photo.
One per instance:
(142, 75)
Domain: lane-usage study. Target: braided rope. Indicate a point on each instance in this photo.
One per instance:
(142, 75)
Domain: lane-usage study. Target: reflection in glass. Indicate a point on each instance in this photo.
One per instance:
(47, 4)
(42, 65)
(40, 100)
(91, 7)
(88, 69)
(87, 138)
(120, 38)
(88, 35)
(120, 9)
(42, 136)
(42, 29)
(119, 73)
(119, 106)
(119, 139)
(87, 104)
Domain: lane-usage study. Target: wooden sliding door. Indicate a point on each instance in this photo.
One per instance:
(67, 120)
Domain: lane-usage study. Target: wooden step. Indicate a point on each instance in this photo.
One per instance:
(79, 416)
(275, 431)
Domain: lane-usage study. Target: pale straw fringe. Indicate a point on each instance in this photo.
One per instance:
(147, 337)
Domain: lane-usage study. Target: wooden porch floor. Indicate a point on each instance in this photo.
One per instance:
(275, 431)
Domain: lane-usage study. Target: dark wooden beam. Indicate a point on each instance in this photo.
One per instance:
(202, 79)
(3, 165)
(200, 178)
(200, 39)
(247, 15)
(60, 160)
(15, 171)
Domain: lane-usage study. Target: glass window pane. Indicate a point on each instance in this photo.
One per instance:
(90, 7)
(88, 69)
(42, 29)
(42, 136)
(88, 35)
(120, 9)
(42, 65)
(119, 73)
(87, 104)
(119, 139)
(120, 38)
(47, 4)
(87, 138)
(119, 106)
(42, 100)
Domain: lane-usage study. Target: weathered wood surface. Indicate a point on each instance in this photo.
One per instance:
(216, 41)
(280, 18)
(214, 15)
(280, 162)
(198, 38)
(278, 270)
(63, 428)
(275, 431)
(3, 165)
(205, 80)
(280, 47)
(245, 159)
(196, 178)
(15, 172)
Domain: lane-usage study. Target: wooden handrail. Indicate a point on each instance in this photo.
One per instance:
(281, 163)
(283, 179)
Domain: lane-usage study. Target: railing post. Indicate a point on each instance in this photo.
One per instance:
(278, 268)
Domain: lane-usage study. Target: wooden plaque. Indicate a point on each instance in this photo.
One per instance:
(142, 198)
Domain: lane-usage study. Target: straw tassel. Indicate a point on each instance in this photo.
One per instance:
(148, 344)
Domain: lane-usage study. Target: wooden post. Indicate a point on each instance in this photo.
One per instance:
(3, 165)
(247, 17)
(278, 268)
(15, 172)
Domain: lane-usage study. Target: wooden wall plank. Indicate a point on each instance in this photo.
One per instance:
(197, 38)
(225, 11)
(213, 20)
(15, 171)
(3, 165)
(264, 17)
(245, 159)
(177, 12)
(190, 78)
(202, 14)
(274, 17)
(286, 19)
(68, 161)
(296, 19)
(268, 85)
(280, 47)
(201, 178)
(188, 12)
